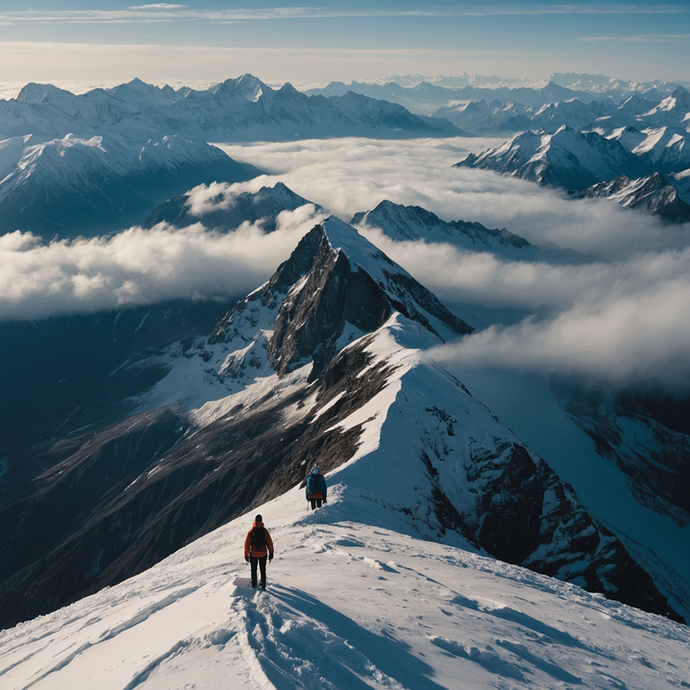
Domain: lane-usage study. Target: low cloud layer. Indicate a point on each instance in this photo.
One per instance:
(139, 266)
(619, 341)
(485, 280)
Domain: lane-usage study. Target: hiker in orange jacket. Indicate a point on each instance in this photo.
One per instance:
(257, 544)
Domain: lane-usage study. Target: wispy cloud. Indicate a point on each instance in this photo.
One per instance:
(623, 340)
(168, 11)
(640, 38)
(157, 6)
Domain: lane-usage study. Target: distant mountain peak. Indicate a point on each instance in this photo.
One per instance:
(412, 223)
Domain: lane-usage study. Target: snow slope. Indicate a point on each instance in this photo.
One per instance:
(348, 606)
(664, 149)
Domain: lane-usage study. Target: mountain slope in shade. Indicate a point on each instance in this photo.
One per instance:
(75, 371)
(639, 437)
(74, 186)
(568, 159)
(416, 223)
(325, 363)
(654, 194)
(349, 605)
(223, 209)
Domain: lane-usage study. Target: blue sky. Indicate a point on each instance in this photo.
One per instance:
(203, 40)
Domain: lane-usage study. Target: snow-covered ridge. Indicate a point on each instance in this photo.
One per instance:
(348, 605)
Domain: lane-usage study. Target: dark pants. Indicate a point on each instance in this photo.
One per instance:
(315, 503)
(261, 562)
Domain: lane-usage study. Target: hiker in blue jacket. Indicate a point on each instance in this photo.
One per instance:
(316, 488)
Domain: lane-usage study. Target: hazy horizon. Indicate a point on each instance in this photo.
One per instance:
(82, 42)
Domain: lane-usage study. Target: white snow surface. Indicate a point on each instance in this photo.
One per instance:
(348, 606)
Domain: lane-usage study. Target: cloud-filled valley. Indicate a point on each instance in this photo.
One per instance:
(615, 310)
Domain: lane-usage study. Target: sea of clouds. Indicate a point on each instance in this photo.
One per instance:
(618, 312)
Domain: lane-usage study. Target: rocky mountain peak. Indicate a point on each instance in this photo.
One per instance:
(335, 287)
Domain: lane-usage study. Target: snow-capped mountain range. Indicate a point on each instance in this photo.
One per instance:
(324, 361)
(447, 97)
(573, 145)
(638, 169)
(642, 112)
(242, 109)
(89, 163)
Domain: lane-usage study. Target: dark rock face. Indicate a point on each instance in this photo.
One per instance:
(523, 514)
(311, 319)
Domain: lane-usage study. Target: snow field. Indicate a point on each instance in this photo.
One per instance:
(348, 606)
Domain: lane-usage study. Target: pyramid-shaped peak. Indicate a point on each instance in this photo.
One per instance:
(288, 89)
(247, 86)
(136, 87)
(335, 286)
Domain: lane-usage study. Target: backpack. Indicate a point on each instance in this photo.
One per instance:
(315, 484)
(257, 542)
